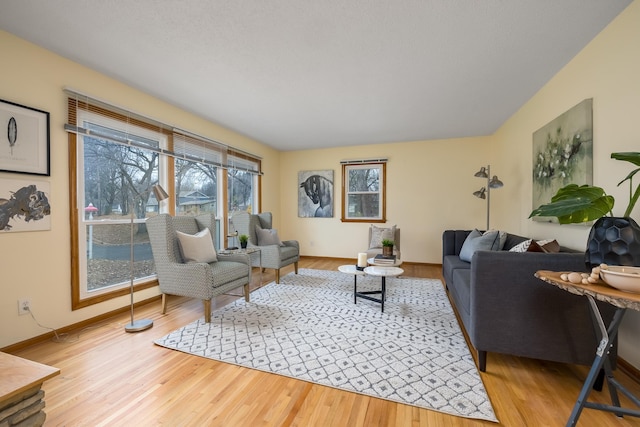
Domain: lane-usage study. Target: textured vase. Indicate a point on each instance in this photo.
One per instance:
(614, 241)
(387, 251)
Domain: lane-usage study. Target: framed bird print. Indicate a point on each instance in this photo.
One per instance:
(24, 139)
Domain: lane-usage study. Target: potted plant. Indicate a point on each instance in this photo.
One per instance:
(612, 240)
(243, 238)
(387, 247)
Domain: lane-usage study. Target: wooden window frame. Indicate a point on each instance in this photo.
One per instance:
(383, 191)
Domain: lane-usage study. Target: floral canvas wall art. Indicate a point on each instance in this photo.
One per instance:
(563, 154)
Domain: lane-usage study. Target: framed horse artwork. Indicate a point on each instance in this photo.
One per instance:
(315, 194)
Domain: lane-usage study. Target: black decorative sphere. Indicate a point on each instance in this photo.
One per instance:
(614, 241)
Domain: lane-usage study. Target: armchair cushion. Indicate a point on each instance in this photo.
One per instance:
(268, 236)
(197, 247)
(378, 234)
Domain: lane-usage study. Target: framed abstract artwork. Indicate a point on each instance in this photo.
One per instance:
(562, 154)
(315, 194)
(24, 139)
(24, 205)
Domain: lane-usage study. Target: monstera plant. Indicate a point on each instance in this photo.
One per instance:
(612, 240)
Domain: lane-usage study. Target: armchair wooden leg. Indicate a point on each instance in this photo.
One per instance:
(246, 292)
(164, 303)
(277, 275)
(207, 310)
(295, 266)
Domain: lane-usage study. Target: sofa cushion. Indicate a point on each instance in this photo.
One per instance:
(197, 247)
(477, 241)
(462, 293)
(450, 263)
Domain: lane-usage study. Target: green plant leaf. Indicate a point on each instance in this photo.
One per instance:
(574, 204)
(629, 156)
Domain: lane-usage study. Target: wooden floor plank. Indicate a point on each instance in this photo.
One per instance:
(113, 378)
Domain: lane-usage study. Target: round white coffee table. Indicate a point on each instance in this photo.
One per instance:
(383, 272)
(396, 263)
(351, 269)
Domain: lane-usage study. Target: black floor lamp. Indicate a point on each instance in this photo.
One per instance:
(142, 324)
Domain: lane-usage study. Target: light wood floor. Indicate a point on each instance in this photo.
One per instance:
(113, 378)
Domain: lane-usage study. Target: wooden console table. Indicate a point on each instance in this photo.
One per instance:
(622, 301)
(21, 397)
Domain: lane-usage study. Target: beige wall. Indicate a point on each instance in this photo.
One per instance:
(429, 188)
(607, 70)
(36, 265)
(429, 182)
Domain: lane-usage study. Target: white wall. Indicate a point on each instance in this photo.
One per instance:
(37, 265)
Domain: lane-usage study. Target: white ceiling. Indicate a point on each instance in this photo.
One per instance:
(300, 74)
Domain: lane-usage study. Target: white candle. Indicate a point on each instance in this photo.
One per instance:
(362, 259)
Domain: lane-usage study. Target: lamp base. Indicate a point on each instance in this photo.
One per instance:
(139, 325)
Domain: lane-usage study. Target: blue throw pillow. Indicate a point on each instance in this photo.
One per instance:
(477, 241)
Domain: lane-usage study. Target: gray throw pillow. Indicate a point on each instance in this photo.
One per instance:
(268, 236)
(477, 241)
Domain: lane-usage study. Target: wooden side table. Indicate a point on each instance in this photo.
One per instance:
(622, 301)
(21, 397)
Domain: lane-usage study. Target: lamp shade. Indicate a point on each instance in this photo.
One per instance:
(482, 173)
(159, 193)
(481, 193)
(495, 182)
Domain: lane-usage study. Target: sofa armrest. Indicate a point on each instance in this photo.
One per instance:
(504, 281)
(514, 312)
(293, 243)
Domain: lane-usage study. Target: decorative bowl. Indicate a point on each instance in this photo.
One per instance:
(622, 277)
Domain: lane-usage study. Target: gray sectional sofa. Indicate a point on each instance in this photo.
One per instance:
(505, 309)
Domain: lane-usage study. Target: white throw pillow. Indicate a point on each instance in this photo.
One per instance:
(521, 247)
(197, 247)
(268, 236)
(477, 241)
(378, 234)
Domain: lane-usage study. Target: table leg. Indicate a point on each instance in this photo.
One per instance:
(602, 360)
(384, 291)
(355, 288)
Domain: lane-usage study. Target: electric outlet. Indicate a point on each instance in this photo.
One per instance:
(24, 306)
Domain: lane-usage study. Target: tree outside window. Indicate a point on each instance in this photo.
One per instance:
(363, 192)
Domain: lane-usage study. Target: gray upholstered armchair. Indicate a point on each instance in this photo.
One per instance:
(194, 279)
(273, 255)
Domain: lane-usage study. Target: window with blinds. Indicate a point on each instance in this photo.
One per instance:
(117, 157)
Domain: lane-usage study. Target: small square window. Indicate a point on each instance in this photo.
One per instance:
(363, 195)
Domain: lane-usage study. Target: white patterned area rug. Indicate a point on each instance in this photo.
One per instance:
(308, 327)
